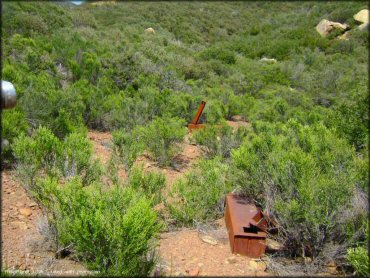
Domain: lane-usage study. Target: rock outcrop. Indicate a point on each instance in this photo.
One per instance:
(362, 16)
(325, 27)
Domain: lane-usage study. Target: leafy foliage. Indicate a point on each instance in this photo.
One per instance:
(359, 258)
(103, 226)
(150, 184)
(219, 140)
(201, 193)
(161, 138)
(300, 174)
(45, 153)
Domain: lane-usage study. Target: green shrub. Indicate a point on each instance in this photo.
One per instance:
(150, 184)
(13, 125)
(200, 195)
(111, 231)
(359, 259)
(302, 175)
(60, 110)
(219, 140)
(42, 151)
(127, 146)
(352, 120)
(45, 153)
(219, 53)
(162, 137)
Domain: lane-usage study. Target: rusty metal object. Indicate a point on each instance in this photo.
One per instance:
(246, 226)
(194, 124)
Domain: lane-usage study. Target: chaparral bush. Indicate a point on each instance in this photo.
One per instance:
(113, 231)
(301, 175)
(200, 195)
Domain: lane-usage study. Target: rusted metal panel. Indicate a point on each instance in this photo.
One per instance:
(246, 226)
(194, 124)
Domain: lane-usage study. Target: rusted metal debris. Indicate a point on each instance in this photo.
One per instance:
(246, 225)
(194, 124)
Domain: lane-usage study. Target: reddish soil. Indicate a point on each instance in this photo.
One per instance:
(102, 144)
(182, 163)
(101, 141)
(24, 248)
(190, 252)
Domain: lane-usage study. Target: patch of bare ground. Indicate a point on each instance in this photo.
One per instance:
(24, 247)
(205, 252)
(238, 121)
(181, 164)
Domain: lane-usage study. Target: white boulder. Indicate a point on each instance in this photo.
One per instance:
(149, 30)
(362, 16)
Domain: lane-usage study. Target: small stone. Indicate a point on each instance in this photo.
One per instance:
(237, 118)
(268, 60)
(331, 264)
(231, 260)
(209, 240)
(273, 245)
(194, 272)
(149, 30)
(200, 264)
(256, 265)
(25, 211)
(331, 269)
(33, 204)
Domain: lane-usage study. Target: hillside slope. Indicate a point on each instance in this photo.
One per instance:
(136, 74)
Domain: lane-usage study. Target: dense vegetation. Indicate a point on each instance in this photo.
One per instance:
(304, 160)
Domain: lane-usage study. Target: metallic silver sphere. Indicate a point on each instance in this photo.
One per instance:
(8, 95)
